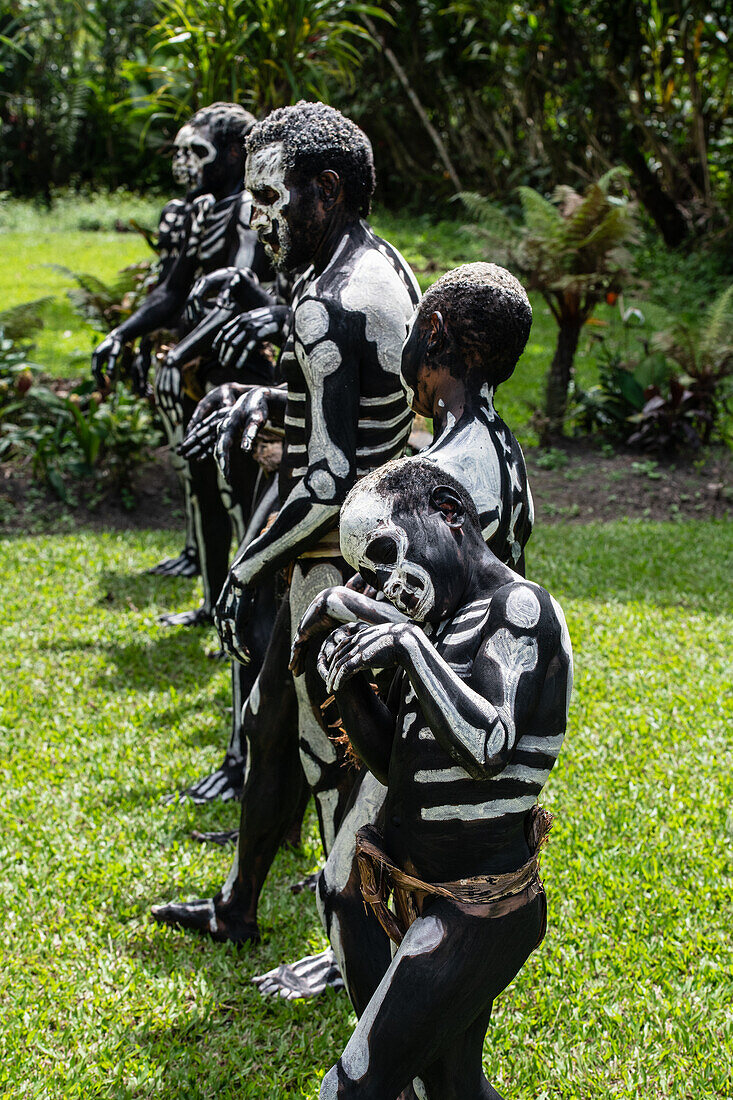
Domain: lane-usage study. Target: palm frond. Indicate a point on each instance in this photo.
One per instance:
(21, 321)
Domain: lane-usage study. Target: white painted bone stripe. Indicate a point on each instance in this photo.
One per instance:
(387, 399)
(547, 745)
(466, 635)
(362, 452)
(522, 772)
(474, 611)
(483, 810)
(386, 423)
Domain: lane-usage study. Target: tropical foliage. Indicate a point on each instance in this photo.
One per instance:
(471, 94)
(571, 251)
(262, 53)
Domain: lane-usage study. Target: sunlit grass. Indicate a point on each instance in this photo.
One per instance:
(103, 712)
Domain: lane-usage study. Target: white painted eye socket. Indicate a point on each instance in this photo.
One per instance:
(390, 538)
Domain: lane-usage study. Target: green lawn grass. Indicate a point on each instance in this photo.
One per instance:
(78, 234)
(103, 713)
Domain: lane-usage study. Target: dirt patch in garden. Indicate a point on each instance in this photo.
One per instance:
(579, 482)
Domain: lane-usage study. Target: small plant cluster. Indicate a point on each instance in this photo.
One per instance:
(68, 437)
(104, 305)
(668, 391)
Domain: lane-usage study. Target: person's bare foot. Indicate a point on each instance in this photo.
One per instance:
(302, 979)
(185, 565)
(229, 836)
(224, 783)
(197, 616)
(201, 916)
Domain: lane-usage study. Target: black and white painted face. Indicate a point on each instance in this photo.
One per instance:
(193, 152)
(412, 559)
(265, 180)
(378, 548)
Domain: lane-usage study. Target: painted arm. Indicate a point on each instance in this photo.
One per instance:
(331, 374)
(479, 723)
(331, 607)
(162, 305)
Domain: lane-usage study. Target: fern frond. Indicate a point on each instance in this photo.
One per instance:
(19, 322)
(717, 336)
(540, 216)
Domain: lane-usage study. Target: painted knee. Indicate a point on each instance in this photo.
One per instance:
(337, 1085)
(330, 1085)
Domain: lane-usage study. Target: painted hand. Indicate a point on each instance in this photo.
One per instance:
(316, 621)
(203, 296)
(231, 615)
(240, 427)
(168, 385)
(358, 647)
(200, 438)
(104, 358)
(140, 367)
(238, 337)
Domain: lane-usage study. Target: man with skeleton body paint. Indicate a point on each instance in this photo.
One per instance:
(464, 743)
(343, 413)
(467, 335)
(209, 234)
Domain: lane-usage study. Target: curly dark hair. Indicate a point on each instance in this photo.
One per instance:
(316, 137)
(228, 122)
(409, 482)
(488, 314)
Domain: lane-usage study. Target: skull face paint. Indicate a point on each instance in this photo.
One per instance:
(192, 153)
(405, 583)
(379, 547)
(265, 180)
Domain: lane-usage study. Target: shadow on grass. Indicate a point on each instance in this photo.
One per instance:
(121, 591)
(174, 658)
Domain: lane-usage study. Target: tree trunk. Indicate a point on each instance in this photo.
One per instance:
(558, 379)
(412, 96)
(667, 216)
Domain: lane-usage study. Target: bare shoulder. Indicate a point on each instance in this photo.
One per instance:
(367, 275)
(525, 608)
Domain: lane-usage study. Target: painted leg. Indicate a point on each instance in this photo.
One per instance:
(227, 781)
(428, 1016)
(186, 564)
(272, 790)
(213, 530)
(330, 782)
(343, 913)
(363, 949)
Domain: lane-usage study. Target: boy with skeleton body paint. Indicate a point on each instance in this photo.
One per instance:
(343, 413)
(470, 731)
(465, 339)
